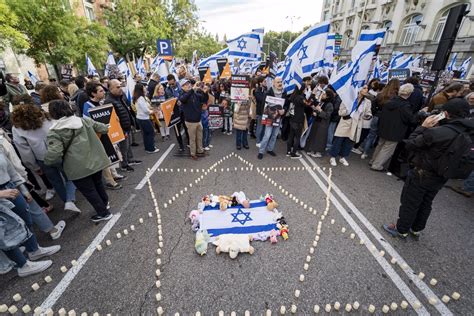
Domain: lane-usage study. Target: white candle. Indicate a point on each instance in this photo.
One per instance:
(297, 293)
(316, 309)
(301, 277)
(433, 281)
(337, 305)
(371, 308)
(293, 309)
(35, 287)
(404, 304)
(17, 297)
(393, 306)
(445, 299)
(348, 307)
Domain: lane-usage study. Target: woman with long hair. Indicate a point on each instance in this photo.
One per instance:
(318, 136)
(144, 111)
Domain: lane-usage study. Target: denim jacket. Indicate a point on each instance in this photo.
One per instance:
(13, 231)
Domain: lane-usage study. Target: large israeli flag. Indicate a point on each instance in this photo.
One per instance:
(395, 60)
(91, 71)
(122, 66)
(211, 61)
(465, 67)
(452, 63)
(238, 220)
(404, 62)
(248, 46)
(367, 42)
(416, 62)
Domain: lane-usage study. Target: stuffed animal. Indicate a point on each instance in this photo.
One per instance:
(283, 230)
(224, 202)
(241, 199)
(202, 239)
(233, 244)
(207, 200)
(194, 217)
(273, 236)
(271, 204)
(213, 200)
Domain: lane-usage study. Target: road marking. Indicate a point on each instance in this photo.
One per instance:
(153, 169)
(422, 286)
(400, 284)
(72, 273)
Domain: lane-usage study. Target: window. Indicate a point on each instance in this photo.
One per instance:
(410, 30)
(326, 16)
(440, 26)
(364, 27)
(387, 25)
(347, 40)
(89, 11)
(350, 21)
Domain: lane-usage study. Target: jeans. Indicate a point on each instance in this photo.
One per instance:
(331, 130)
(227, 127)
(341, 147)
(65, 188)
(5, 263)
(17, 256)
(126, 149)
(294, 137)
(93, 190)
(269, 139)
(469, 183)
(241, 138)
(372, 137)
(260, 129)
(148, 133)
(206, 136)
(195, 137)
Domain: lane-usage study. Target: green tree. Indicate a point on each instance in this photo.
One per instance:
(278, 42)
(181, 17)
(9, 34)
(204, 43)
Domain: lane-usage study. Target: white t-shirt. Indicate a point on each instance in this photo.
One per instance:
(143, 109)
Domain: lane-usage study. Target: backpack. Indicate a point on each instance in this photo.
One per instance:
(457, 162)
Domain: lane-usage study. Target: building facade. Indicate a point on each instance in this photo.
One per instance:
(413, 26)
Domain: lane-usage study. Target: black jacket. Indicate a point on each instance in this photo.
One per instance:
(416, 99)
(395, 118)
(191, 103)
(297, 115)
(259, 94)
(151, 88)
(79, 98)
(122, 109)
(427, 145)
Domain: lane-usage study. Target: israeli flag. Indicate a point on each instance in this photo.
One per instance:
(140, 66)
(122, 66)
(465, 67)
(404, 63)
(211, 61)
(368, 40)
(173, 70)
(110, 61)
(396, 57)
(238, 220)
(328, 64)
(33, 78)
(161, 69)
(91, 71)
(130, 86)
(248, 46)
(452, 63)
(377, 69)
(415, 63)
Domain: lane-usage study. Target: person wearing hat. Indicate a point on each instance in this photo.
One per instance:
(429, 144)
(192, 100)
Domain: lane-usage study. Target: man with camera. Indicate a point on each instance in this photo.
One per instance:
(442, 149)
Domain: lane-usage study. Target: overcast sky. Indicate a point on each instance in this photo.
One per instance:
(235, 17)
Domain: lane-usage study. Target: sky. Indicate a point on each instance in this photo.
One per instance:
(235, 17)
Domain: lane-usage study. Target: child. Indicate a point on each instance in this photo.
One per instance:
(241, 119)
(206, 135)
(227, 114)
(158, 98)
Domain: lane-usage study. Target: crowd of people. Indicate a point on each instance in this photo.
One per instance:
(48, 140)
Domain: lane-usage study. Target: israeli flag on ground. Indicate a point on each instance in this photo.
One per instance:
(91, 71)
(248, 46)
(211, 61)
(465, 67)
(238, 220)
(452, 63)
(396, 57)
(122, 66)
(33, 78)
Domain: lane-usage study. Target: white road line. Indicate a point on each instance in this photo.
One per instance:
(72, 273)
(422, 286)
(386, 266)
(153, 169)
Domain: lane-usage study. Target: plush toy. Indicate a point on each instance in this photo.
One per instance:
(273, 236)
(207, 200)
(213, 200)
(224, 202)
(202, 239)
(283, 230)
(194, 217)
(233, 244)
(271, 204)
(241, 199)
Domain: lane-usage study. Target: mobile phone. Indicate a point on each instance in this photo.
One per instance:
(440, 116)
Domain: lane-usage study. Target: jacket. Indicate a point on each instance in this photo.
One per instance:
(191, 103)
(395, 118)
(36, 98)
(121, 107)
(74, 141)
(297, 110)
(172, 92)
(12, 91)
(151, 88)
(13, 231)
(241, 115)
(8, 172)
(79, 98)
(427, 145)
(352, 126)
(336, 105)
(416, 99)
(259, 94)
(9, 151)
(438, 99)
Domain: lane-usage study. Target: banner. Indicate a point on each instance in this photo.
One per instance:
(202, 72)
(402, 73)
(170, 112)
(240, 88)
(66, 72)
(207, 76)
(221, 62)
(216, 120)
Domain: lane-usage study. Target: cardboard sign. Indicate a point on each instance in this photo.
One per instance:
(170, 112)
(66, 72)
(270, 110)
(240, 88)
(221, 62)
(216, 120)
(202, 72)
(401, 74)
(106, 114)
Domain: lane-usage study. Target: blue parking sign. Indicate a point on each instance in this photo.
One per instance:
(164, 47)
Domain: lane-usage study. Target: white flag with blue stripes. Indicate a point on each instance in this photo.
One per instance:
(110, 61)
(416, 62)
(328, 63)
(238, 220)
(33, 78)
(452, 63)
(248, 46)
(159, 67)
(465, 67)
(211, 61)
(122, 66)
(368, 39)
(91, 71)
(404, 62)
(395, 60)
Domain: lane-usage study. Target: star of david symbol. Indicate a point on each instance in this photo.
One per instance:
(302, 53)
(236, 218)
(241, 44)
(290, 77)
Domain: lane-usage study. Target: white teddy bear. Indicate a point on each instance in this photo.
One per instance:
(233, 244)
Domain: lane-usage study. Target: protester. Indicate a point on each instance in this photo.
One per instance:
(74, 141)
(35, 95)
(259, 94)
(13, 88)
(48, 94)
(173, 90)
(240, 120)
(296, 121)
(429, 144)
(394, 120)
(96, 94)
(152, 84)
(80, 97)
(317, 139)
(158, 98)
(350, 127)
(206, 132)
(64, 88)
(454, 90)
(335, 118)
(144, 111)
(416, 99)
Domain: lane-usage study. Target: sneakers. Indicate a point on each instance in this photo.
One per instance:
(357, 151)
(127, 169)
(59, 230)
(149, 152)
(43, 252)
(239, 147)
(33, 267)
(70, 206)
(134, 162)
(111, 186)
(392, 230)
(258, 145)
(49, 194)
(333, 162)
(108, 206)
(100, 218)
(120, 177)
(229, 133)
(271, 153)
(364, 156)
(260, 156)
(288, 154)
(316, 155)
(207, 148)
(344, 162)
(415, 235)
(246, 146)
(210, 146)
(295, 156)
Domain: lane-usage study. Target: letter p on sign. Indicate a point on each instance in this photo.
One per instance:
(164, 47)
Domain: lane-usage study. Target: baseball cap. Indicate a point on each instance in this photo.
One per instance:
(457, 107)
(182, 82)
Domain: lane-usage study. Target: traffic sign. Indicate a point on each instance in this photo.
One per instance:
(164, 47)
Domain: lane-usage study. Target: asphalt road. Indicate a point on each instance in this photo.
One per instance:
(121, 278)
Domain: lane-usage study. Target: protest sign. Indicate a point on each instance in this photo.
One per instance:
(170, 112)
(240, 88)
(221, 62)
(216, 120)
(202, 72)
(402, 74)
(270, 110)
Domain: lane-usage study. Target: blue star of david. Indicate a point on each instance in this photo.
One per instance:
(290, 78)
(241, 221)
(241, 44)
(302, 53)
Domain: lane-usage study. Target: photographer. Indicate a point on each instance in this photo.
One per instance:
(440, 150)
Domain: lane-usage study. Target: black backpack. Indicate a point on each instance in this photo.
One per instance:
(457, 162)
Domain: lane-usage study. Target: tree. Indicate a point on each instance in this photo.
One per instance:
(204, 43)
(278, 42)
(181, 17)
(9, 35)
